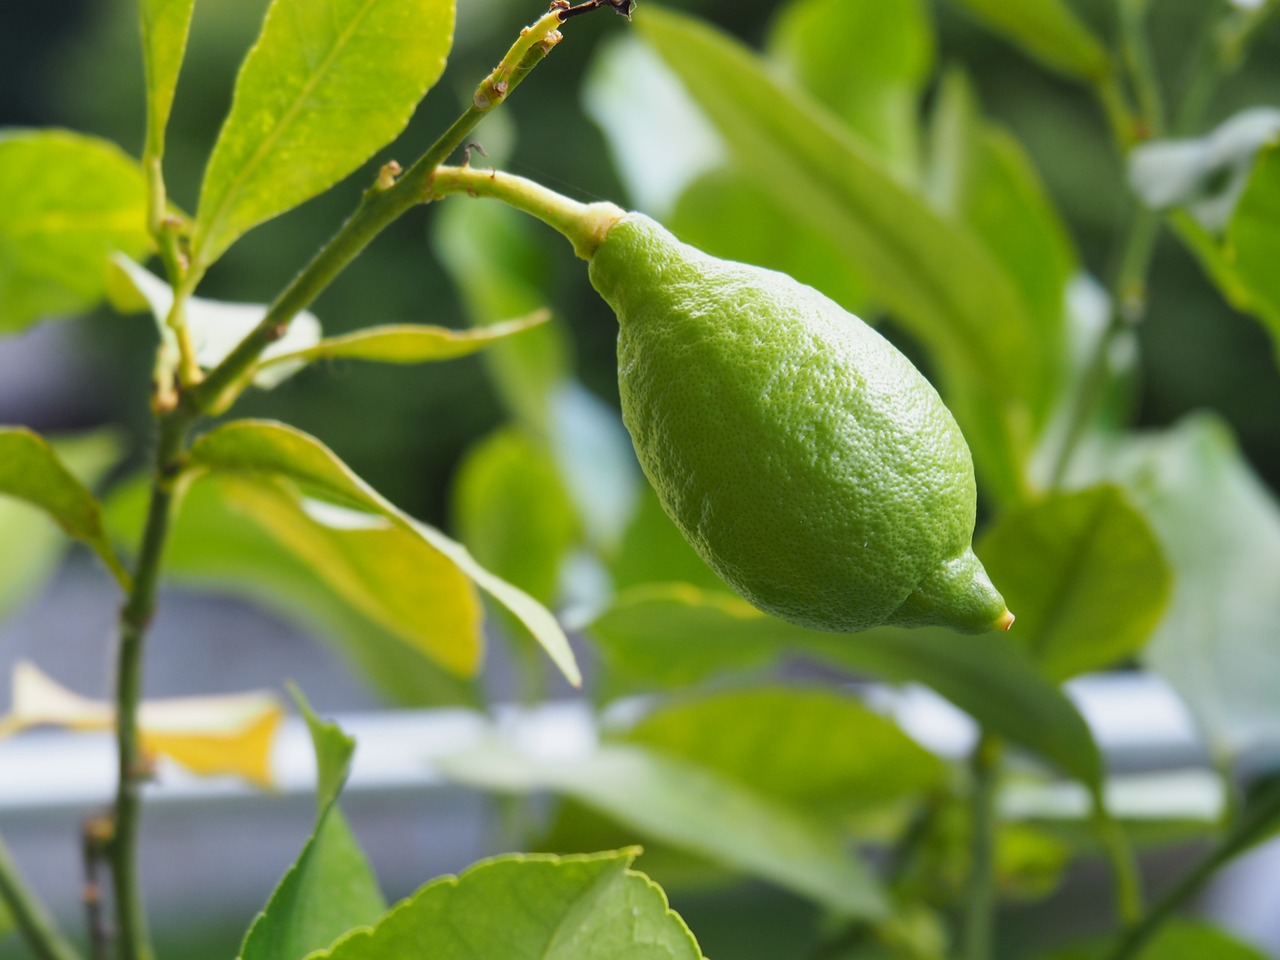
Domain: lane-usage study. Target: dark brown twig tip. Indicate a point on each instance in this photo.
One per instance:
(620, 7)
(466, 152)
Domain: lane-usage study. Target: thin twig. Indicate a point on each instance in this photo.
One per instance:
(32, 919)
(95, 839)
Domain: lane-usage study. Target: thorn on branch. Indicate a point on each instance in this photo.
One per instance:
(466, 152)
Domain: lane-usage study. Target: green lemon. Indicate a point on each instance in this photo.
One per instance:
(805, 458)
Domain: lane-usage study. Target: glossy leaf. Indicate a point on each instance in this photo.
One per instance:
(935, 279)
(1220, 529)
(331, 888)
(1253, 242)
(31, 472)
(262, 450)
(410, 343)
(810, 748)
(648, 634)
(217, 543)
(875, 91)
(324, 87)
(210, 736)
(513, 512)
(29, 543)
(1048, 30)
(494, 257)
(528, 905)
(66, 202)
(1085, 575)
(683, 804)
(165, 25)
(216, 327)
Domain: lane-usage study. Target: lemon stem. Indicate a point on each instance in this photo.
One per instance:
(585, 225)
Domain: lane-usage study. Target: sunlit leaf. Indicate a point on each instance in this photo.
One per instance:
(215, 543)
(66, 202)
(1049, 31)
(686, 805)
(810, 748)
(216, 327)
(265, 451)
(674, 635)
(29, 543)
(210, 736)
(165, 25)
(410, 343)
(323, 88)
(875, 90)
(330, 888)
(31, 472)
(1085, 575)
(528, 905)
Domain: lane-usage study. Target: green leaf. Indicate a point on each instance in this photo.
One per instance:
(331, 888)
(530, 906)
(66, 202)
(1253, 241)
(216, 327)
(493, 256)
(31, 472)
(1178, 939)
(1085, 576)
(29, 543)
(875, 89)
(1220, 529)
(324, 87)
(262, 450)
(513, 512)
(813, 749)
(681, 803)
(1048, 30)
(217, 543)
(411, 343)
(165, 25)
(935, 278)
(674, 635)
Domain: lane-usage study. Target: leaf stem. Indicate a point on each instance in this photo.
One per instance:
(1124, 867)
(977, 923)
(584, 225)
(1253, 828)
(380, 206)
(1141, 65)
(135, 618)
(33, 920)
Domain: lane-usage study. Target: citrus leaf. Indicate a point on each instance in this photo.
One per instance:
(409, 343)
(209, 736)
(1220, 529)
(262, 450)
(29, 543)
(330, 888)
(165, 25)
(513, 512)
(31, 472)
(216, 327)
(1048, 30)
(66, 202)
(1254, 243)
(324, 87)
(1085, 574)
(875, 92)
(813, 749)
(1177, 939)
(526, 906)
(215, 543)
(936, 279)
(683, 804)
(648, 635)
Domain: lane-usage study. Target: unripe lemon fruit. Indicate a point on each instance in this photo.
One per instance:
(805, 458)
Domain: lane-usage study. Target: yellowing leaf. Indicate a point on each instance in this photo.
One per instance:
(210, 736)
